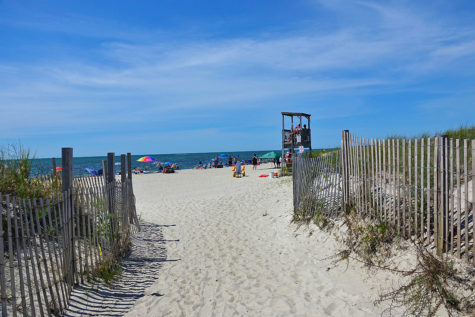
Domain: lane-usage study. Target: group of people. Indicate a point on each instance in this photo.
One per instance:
(296, 131)
(277, 161)
(161, 168)
(232, 161)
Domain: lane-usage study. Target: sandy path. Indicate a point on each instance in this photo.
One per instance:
(237, 254)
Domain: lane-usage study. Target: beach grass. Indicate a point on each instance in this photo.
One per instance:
(15, 174)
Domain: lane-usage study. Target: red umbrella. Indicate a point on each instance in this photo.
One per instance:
(59, 168)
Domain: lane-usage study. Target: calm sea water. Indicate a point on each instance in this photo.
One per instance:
(185, 161)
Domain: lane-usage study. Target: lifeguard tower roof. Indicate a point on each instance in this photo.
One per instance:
(296, 114)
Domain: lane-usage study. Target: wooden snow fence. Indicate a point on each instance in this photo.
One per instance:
(424, 187)
(49, 245)
(317, 184)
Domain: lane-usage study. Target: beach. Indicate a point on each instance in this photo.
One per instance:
(231, 250)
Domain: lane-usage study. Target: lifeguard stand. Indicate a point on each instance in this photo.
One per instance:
(295, 137)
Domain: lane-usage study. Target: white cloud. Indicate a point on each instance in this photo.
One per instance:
(382, 46)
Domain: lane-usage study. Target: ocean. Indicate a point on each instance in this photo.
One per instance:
(184, 161)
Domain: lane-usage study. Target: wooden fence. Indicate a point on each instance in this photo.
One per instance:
(317, 184)
(424, 187)
(48, 245)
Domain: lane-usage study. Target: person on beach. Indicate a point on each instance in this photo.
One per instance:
(287, 157)
(230, 161)
(254, 162)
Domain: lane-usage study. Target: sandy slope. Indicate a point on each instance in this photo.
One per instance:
(231, 251)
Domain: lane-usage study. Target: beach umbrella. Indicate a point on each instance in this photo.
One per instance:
(223, 155)
(146, 159)
(167, 163)
(59, 168)
(92, 171)
(271, 155)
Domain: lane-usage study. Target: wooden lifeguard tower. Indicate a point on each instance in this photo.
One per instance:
(298, 134)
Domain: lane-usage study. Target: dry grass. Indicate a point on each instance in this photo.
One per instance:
(432, 284)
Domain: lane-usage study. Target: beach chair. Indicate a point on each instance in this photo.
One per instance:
(239, 170)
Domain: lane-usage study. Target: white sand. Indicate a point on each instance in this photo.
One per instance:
(238, 254)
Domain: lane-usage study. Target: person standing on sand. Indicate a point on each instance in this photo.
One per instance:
(254, 161)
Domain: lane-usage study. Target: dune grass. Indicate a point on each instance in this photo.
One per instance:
(15, 175)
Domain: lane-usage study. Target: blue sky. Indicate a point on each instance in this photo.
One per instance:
(199, 76)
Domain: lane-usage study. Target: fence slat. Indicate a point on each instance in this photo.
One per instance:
(446, 193)
(409, 201)
(10, 256)
(18, 254)
(398, 188)
(451, 195)
(373, 178)
(394, 188)
(2, 270)
(459, 196)
(57, 306)
(31, 247)
(422, 209)
(465, 183)
(473, 199)
(380, 183)
(34, 233)
(52, 210)
(26, 248)
(428, 234)
(436, 193)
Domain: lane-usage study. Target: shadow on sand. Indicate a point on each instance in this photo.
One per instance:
(140, 270)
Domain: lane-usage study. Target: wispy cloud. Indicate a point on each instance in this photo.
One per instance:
(147, 80)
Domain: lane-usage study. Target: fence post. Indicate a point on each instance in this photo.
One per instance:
(110, 186)
(129, 165)
(67, 161)
(122, 168)
(110, 167)
(344, 166)
(104, 171)
(66, 187)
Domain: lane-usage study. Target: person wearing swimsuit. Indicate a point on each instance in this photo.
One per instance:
(254, 161)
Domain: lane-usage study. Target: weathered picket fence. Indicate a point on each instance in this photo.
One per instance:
(317, 184)
(424, 187)
(48, 245)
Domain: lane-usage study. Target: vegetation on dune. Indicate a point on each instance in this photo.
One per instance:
(320, 152)
(431, 284)
(15, 175)
(463, 132)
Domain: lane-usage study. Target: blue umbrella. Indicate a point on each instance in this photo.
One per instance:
(92, 171)
(223, 155)
(167, 163)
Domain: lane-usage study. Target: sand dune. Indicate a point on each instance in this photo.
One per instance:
(231, 251)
